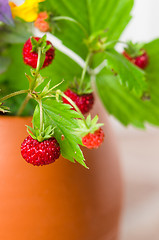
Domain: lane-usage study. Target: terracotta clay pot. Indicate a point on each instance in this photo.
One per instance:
(61, 201)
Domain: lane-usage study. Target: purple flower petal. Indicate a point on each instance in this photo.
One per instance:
(5, 12)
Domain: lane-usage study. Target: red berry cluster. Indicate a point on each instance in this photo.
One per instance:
(47, 151)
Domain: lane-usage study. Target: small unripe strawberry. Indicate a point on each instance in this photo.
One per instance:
(84, 102)
(40, 153)
(41, 22)
(30, 57)
(93, 140)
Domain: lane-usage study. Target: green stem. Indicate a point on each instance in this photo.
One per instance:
(74, 105)
(85, 69)
(24, 103)
(41, 116)
(13, 94)
(39, 60)
(39, 63)
(33, 84)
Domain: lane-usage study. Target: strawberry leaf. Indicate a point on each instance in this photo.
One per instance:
(122, 103)
(60, 116)
(109, 15)
(129, 75)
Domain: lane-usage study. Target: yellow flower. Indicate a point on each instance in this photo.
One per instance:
(28, 11)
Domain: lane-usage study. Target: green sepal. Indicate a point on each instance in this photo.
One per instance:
(134, 49)
(41, 43)
(45, 89)
(45, 134)
(86, 87)
(31, 132)
(90, 126)
(34, 44)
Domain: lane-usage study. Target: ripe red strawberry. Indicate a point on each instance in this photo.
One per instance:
(30, 57)
(93, 140)
(136, 54)
(84, 102)
(40, 153)
(41, 22)
(140, 61)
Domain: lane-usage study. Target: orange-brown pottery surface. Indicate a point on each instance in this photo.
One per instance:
(61, 201)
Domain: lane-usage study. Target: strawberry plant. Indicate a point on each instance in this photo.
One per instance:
(75, 58)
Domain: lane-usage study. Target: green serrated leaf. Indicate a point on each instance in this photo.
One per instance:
(97, 15)
(123, 104)
(59, 115)
(130, 75)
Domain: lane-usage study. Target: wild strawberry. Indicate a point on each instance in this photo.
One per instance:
(40, 153)
(142, 61)
(93, 140)
(40, 22)
(30, 57)
(84, 102)
(135, 53)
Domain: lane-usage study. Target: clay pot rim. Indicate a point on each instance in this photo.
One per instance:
(15, 117)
